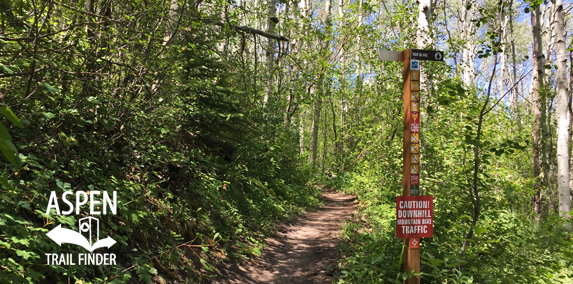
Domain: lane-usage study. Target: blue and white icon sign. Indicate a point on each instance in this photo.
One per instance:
(414, 65)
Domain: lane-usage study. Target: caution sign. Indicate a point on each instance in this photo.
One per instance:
(415, 123)
(414, 180)
(414, 217)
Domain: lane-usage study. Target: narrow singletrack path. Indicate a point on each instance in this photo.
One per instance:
(301, 252)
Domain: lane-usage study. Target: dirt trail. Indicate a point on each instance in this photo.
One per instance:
(302, 252)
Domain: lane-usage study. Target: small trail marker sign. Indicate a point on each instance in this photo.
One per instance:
(431, 55)
(414, 243)
(414, 217)
(414, 138)
(415, 65)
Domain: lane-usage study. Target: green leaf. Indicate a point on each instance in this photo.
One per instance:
(6, 147)
(48, 88)
(257, 251)
(436, 262)
(6, 184)
(4, 134)
(153, 270)
(480, 230)
(205, 264)
(8, 70)
(48, 115)
(7, 112)
(24, 254)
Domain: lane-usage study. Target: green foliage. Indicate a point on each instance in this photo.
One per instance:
(201, 175)
(509, 245)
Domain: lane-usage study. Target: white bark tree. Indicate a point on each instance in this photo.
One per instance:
(558, 28)
(469, 47)
(536, 83)
(272, 20)
(318, 103)
(423, 34)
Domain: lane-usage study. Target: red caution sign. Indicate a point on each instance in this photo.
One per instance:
(414, 217)
(414, 179)
(415, 122)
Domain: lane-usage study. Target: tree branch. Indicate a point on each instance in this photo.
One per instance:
(246, 29)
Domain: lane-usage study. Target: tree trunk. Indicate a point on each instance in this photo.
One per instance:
(562, 114)
(301, 132)
(324, 140)
(423, 34)
(342, 82)
(318, 102)
(536, 84)
(514, 92)
(547, 30)
(315, 124)
(468, 56)
(271, 23)
(502, 54)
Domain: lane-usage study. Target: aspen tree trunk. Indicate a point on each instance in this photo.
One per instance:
(547, 16)
(423, 34)
(315, 124)
(271, 23)
(423, 40)
(536, 84)
(301, 132)
(548, 32)
(171, 20)
(468, 56)
(342, 83)
(514, 91)
(293, 70)
(318, 102)
(359, 41)
(570, 109)
(562, 114)
(502, 54)
(324, 140)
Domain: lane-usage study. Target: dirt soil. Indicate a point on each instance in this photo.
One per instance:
(304, 252)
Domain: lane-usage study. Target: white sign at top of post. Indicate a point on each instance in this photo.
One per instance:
(415, 65)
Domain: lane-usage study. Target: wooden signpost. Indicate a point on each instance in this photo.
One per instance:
(414, 213)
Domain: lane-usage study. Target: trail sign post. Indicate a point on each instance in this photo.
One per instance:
(414, 213)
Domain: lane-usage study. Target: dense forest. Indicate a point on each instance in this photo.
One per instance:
(213, 121)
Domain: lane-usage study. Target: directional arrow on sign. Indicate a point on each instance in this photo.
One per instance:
(62, 235)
